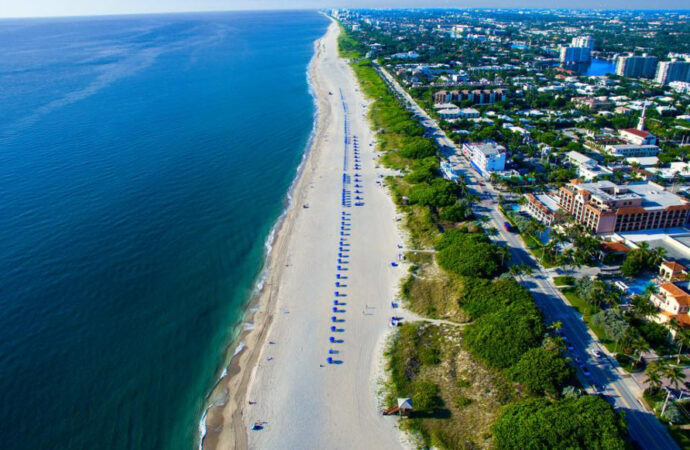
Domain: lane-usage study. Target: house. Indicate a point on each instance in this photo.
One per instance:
(613, 251)
(673, 303)
(671, 270)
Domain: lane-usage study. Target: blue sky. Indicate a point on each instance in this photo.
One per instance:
(32, 8)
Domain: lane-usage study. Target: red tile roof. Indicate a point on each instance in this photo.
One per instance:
(637, 132)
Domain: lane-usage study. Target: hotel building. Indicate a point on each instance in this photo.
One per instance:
(605, 207)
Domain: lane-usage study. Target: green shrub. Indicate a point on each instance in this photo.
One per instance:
(584, 422)
(542, 371)
(426, 396)
(500, 338)
(468, 254)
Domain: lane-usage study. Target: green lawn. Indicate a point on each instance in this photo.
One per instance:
(586, 310)
(562, 280)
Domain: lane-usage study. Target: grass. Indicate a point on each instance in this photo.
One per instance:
(563, 280)
(471, 395)
(348, 47)
(587, 311)
(432, 293)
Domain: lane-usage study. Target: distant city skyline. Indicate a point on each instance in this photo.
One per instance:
(46, 8)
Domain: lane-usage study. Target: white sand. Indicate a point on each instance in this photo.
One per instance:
(303, 404)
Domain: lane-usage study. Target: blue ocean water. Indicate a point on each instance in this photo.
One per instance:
(143, 162)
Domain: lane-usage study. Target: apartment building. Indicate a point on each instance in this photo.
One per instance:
(636, 66)
(477, 96)
(668, 71)
(485, 157)
(605, 207)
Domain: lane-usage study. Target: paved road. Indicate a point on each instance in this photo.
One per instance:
(598, 374)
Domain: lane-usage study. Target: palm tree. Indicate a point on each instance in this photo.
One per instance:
(674, 374)
(641, 345)
(654, 376)
(682, 337)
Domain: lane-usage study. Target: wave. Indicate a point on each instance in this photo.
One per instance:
(268, 246)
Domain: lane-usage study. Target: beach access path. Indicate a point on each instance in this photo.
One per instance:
(301, 399)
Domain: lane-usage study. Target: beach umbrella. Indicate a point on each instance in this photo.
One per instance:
(332, 339)
(335, 302)
(330, 360)
(334, 319)
(335, 309)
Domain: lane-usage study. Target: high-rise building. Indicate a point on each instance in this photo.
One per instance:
(636, 66)
(574, 55)
(668, 71)
(583, 42)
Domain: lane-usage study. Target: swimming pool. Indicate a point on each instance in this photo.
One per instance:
(637, 286)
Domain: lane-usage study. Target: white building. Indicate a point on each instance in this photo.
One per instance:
(637, 137)
(587, 168)
(574, 55)
(486, 157)
(632, 150)
(583, 41)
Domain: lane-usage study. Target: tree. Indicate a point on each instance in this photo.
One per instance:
(468, 254)
(615, 327)
(502, 337)
(674, 374)
(584, 422)
(682, 337)
(654, 376)
(418, 148)
(542, 371)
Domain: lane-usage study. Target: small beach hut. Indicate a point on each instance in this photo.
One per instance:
(404, 406)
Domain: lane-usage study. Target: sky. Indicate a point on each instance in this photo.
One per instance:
(42, 8)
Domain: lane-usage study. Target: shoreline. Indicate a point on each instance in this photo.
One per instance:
(230, 391)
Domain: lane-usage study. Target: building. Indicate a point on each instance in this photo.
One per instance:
(469, 113)
(605, 207)
(668, 71)
(636, 66)
(485, 157)
(631, 150)
(593, 103)
(575, 55)
(543, 207)
(673, 303)
(636, 136)
(587, 168)
(476, 96)
(447, 111)
(583, 42)
(671, 270)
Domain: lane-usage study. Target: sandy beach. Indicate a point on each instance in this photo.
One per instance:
(282, 376)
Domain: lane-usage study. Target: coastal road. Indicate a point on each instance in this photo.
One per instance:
(603, 376)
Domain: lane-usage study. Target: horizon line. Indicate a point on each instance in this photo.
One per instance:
(202, 11)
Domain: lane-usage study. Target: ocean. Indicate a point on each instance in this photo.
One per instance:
(143, 163)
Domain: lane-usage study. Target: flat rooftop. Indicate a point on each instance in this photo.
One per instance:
(652, 195)
(548, 201)
(487, 148)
